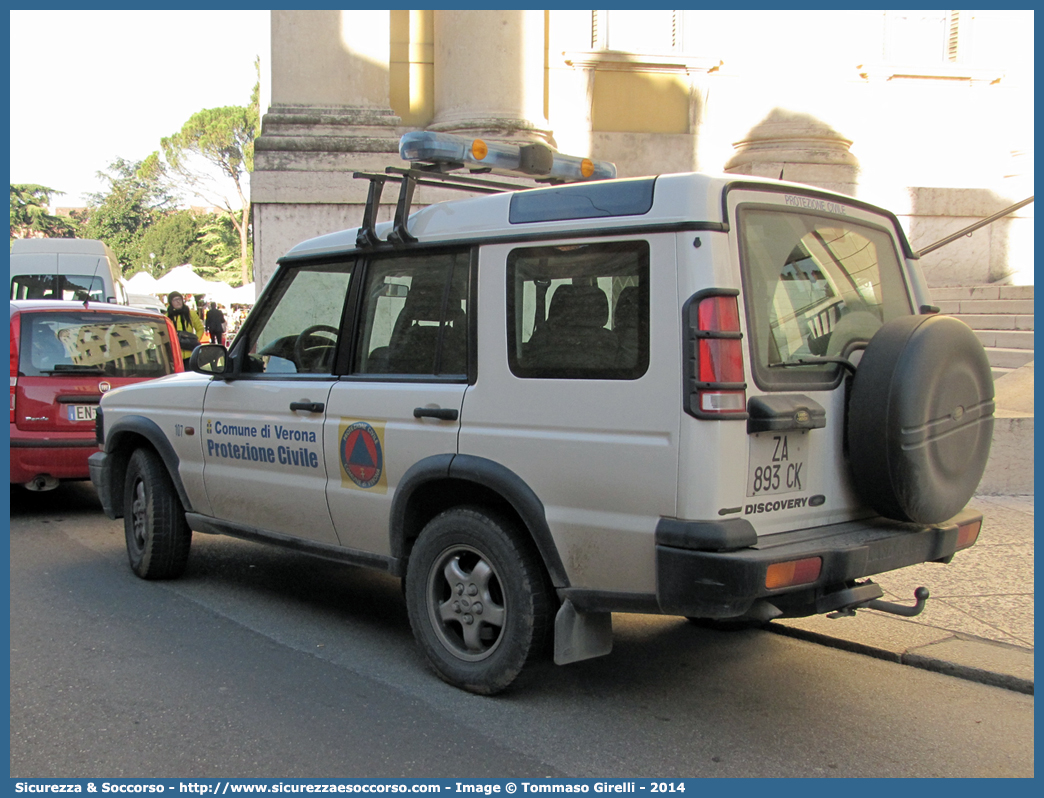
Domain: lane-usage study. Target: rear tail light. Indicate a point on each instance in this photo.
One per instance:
(16, 329)
(715, 385)
(793, 572)
(968, 533)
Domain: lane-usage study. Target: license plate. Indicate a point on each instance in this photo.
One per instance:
(778, 463)
(83, 412)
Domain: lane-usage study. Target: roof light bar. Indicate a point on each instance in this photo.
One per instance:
(534, 160)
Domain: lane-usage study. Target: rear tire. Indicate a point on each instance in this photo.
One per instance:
(478, 598)
(158, 537)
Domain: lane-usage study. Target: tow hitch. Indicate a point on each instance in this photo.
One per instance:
(868, 596)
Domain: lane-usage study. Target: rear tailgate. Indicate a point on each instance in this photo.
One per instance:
(817, 278)
(67, 359)
(820, 278)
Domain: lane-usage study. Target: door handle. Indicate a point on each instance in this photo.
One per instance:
(308, 407)
(442, 413)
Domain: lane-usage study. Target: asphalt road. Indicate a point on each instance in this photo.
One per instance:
(263, 663)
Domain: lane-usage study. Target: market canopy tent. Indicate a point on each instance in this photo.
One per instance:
(220, 292)
(141, 283)
(244, 295)
(185, 280)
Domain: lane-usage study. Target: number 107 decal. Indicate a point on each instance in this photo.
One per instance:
(778, 463)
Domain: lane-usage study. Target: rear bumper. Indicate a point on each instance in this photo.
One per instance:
(725, 584)
(60, 456)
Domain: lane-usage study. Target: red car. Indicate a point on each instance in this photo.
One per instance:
(64, 356)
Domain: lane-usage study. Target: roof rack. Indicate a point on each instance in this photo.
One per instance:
(435, 156)
(408, 180)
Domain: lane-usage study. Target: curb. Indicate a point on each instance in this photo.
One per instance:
(964, 647)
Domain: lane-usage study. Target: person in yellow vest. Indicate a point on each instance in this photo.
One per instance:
(186, 322)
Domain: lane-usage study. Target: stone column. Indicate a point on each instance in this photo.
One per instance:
(330, 115)
(489, 75)
(799, 148)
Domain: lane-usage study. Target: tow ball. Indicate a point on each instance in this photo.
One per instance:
(920, 597)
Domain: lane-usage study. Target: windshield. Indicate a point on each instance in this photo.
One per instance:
(110, 344)
(58, 286)
(816, 286)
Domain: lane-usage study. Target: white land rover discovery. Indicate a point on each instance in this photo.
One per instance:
(714, 397)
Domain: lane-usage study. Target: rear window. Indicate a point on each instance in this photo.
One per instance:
(77, 287)
(109, 344)
(815, 286)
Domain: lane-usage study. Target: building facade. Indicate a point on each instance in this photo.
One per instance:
(929, 113)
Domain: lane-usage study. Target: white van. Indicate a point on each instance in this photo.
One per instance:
(65, 268)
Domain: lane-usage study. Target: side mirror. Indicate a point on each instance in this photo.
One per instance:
(210, 359)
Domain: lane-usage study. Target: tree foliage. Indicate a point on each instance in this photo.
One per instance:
(175, 238)
(30, 216)
(121, 216)
(221, 240)
(224, 138)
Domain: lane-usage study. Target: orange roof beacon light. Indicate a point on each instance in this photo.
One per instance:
(528, 160)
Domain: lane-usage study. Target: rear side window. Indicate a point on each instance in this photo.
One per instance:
(76, 287)
(815, 286)
(583, 201)
(579, 311)
(106, 344)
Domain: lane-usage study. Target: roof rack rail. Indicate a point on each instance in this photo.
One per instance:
(408, 180)
(435, 156)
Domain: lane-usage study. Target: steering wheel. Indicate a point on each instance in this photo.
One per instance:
(303, 352)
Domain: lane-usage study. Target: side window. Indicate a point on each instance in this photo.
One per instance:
(579, 311)
(414, 317)
(300, 326)
(83, 286)
(35, 286)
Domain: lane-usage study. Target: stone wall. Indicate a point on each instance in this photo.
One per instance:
(940, 148)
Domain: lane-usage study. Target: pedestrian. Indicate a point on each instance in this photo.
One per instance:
(186, 322)
(216, 324)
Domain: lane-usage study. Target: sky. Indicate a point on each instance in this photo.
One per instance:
(88, 87)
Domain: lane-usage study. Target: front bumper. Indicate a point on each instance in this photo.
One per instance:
(101, 476)
(725, 584)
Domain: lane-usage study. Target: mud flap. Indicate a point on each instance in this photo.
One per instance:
(581, 635)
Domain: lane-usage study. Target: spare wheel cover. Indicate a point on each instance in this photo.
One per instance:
(920, 419)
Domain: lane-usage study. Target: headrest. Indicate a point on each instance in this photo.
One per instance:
(579, 306)
(626, 314)
(424, 303)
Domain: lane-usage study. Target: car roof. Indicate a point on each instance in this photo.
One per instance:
(63, 246)
(675, 199)
(56, 305)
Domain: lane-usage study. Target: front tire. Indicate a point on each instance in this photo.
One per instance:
(158, 537)
(478, 598)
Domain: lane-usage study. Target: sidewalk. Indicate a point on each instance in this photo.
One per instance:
(978, 622)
